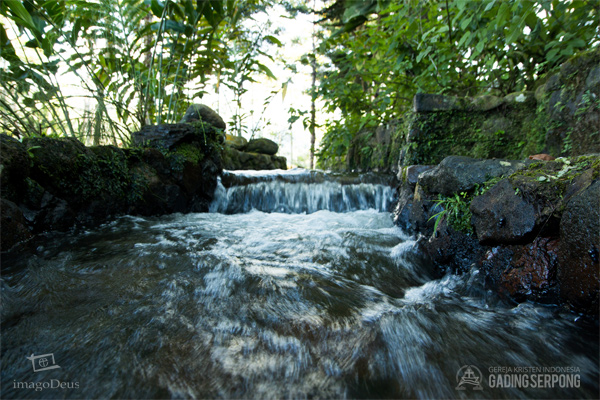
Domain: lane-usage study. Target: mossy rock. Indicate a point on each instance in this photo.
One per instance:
(190, 152)
(64, 167)
(236, 142)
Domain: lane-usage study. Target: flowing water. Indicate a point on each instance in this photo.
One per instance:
(311, 292)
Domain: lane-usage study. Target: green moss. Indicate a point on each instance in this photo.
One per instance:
(499, 133)
(548, 182)
(190, 153)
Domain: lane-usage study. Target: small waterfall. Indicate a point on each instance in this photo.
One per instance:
(300, 191)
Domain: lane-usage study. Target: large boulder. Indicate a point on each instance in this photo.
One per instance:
(200, 112)
(456, 174)
(578, 270)
(262, 146)
(501, 216)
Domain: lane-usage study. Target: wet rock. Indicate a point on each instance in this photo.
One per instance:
(14, 225)
(262, 146)
(452, 250)
(455, 174)
(532, 273)
(501, 216)
(201, 112)
(578, 254)
(14, 168)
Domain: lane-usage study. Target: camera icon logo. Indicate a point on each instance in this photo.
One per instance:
(43, 362)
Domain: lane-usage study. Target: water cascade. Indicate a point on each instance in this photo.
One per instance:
(297, 285)
(299, 191)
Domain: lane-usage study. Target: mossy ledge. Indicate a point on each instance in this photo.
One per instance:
(50, 184)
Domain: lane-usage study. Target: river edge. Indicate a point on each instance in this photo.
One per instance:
(507, 218)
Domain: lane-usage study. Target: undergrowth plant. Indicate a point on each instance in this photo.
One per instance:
(137, 62)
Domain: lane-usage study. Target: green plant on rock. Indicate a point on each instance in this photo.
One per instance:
(455, 209)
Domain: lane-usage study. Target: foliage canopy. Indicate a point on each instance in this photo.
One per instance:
(383, 52)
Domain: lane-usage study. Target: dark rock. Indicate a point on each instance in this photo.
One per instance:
(14, 225)
(532, 273)
(523, 272)
(262, 146)
(578, 270)
(501, 216)
(167, 136)
(200, 112)
(56, 215)
(403, 209)
(156, 160)
(593, 79)
(452, 250)
(14, 168)
(192, 177)
(424, 102)
(456, 174)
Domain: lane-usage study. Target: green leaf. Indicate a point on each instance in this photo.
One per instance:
(551, 55)
(157, 7)
(272, 39)
(489, 5)
(479, 46)
(266, 70)
(465, 23)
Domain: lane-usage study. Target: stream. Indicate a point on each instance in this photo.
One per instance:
(296, 285)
